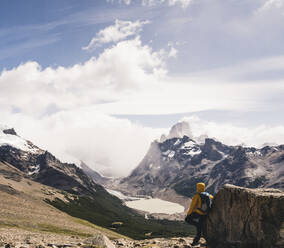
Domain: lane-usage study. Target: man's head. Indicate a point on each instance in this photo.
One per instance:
(200, 187)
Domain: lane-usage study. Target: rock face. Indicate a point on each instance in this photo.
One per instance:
(43, 167)
(177, 164)
(10, 131)
(246, 218)
(179, 130)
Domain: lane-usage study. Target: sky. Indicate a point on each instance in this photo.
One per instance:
(99, 80)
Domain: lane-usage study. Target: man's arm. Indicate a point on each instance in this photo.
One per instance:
(192, 205)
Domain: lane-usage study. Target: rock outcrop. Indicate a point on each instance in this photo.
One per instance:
(246, 218)
(100, 240)
(10, 131)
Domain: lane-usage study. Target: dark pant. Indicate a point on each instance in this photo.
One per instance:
(196, 220)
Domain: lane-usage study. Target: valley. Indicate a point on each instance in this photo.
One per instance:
(43, 199)
(68, 189)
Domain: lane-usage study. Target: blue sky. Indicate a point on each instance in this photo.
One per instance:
(211, 34)
(139, 66)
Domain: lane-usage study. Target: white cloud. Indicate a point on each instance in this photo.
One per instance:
(183, 3)
(127, 2)
(107, 144)
(117, 32)
(231, 134)
(250, 71)
(173, 52)
(117, 72)
(271, 4)
(130, 78)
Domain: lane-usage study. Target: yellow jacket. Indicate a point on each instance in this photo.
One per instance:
(196, 200)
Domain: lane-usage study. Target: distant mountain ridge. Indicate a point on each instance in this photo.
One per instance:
(172, 167)
(95, 176)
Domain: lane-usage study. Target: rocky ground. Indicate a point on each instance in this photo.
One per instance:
(159, 243)
(16, 238)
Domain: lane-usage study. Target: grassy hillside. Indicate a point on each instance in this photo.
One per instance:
(103, 213)
(29, 205)
(22, 206)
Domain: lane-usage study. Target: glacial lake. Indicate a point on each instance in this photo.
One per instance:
(154, 206)
(150, 205)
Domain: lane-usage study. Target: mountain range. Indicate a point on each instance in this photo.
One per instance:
(175, 163)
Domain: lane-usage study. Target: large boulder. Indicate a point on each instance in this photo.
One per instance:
(100, 241)
(246, 218)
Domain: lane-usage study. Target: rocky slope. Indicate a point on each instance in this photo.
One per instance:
(246, 218)
(95, 176)
(24, 210)
(171, 168)
(42, 166)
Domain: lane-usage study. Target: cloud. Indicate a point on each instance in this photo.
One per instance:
(231, 134)
(117, 32)
(131, 78)
(109, 145)
(173, 51)
(271, 4)
(183, 3)
(115, 73)
(262, 69)
(127, 2)
(115, 146)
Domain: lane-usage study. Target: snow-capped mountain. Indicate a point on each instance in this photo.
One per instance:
(173, 167)
(9, 137)
(42, 166)
(180, 129)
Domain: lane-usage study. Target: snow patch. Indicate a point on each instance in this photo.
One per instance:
(190, 144)
(166, 153)
(193, 152)
(34, 169)
(171, 154)
(178, 141)
(254, 154)
(16, 141)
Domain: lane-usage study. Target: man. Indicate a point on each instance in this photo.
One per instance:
(199, 207)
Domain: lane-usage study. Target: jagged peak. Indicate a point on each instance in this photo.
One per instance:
(10, 131)
(180, 129)
(7, 130)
